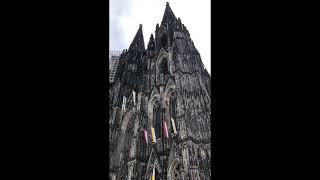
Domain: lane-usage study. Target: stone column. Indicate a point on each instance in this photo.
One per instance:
(134, 139)
(185, 157)
(120, 147)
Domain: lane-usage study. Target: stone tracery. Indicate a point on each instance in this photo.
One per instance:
(170, 82)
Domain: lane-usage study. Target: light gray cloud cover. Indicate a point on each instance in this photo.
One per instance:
(126, 15)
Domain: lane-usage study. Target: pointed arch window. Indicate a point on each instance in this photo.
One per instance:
(164, 41)
(157, 118)
(164, 66)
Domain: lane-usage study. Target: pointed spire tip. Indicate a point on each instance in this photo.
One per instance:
(167, 3)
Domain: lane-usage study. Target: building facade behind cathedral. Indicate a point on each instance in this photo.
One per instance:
(113, 64)
(170, 82)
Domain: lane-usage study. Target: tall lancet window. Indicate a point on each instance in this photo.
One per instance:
(157, 118)
(164, 66)
(164, 41)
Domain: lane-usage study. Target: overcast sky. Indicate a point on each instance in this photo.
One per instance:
(126, 15)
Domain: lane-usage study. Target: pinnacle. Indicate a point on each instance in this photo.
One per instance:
(138, 41)
(151, 43)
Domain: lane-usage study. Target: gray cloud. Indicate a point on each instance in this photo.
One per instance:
(126, 15)
(118, 9)
(116, 39)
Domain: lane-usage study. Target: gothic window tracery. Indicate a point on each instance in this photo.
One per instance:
(157, 118)
(128, 134)
(180, 104)
(176, 172)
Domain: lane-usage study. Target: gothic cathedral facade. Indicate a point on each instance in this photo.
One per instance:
(165, 81)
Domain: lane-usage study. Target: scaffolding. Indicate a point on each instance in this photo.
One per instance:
(113, 64)
(114, 53)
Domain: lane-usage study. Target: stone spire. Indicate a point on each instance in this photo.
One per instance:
(138, 41)
(168, 16)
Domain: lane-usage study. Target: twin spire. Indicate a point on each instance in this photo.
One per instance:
(138, 41)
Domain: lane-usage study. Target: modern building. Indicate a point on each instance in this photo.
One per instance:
(161, 91)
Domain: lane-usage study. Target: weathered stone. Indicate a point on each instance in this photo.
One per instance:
(170, 81)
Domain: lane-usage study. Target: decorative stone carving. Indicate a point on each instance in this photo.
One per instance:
(168, 72)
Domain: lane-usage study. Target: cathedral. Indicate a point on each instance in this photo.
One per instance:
(160, 108)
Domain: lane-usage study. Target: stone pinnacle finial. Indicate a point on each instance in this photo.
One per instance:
(167, 3)
(138, 42)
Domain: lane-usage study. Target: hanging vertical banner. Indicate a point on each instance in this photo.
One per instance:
(154, 140)
(146, 136)
(173, 126)
(124, 103)
(134, 97)
(153, 173)
(165, 129)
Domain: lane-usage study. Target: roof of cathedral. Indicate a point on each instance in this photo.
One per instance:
(138, 41)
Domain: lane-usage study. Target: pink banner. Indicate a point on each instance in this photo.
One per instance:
(165, 128)
(146, 136)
